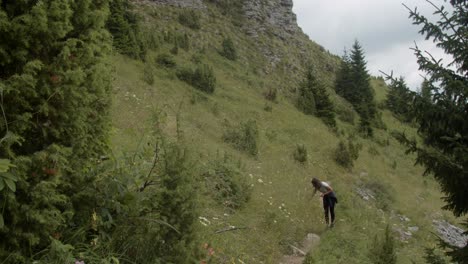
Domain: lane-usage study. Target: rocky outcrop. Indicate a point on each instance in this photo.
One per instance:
(451, 234)
(196, 4)
(275, 15)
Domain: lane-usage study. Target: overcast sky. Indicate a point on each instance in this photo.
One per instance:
(381, 26)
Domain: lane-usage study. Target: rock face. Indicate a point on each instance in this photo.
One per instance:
(276, 15)
(197, 4)
(450, 233)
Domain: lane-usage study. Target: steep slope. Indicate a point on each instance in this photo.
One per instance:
(273, 52)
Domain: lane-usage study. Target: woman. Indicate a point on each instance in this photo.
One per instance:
(329, 199)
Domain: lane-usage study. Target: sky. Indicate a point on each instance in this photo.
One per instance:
(381, 26)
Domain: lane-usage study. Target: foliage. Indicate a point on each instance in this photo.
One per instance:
(202, 78)
(55, 95)
(123, 24)
(268, 108)
(383, 250)
(165, 60)
(399, 99)
(346, 154)
(271, 94)
(346, 114)
(352, 83)
(148, 74)
(432, 257)
(243, 137)
(314, 99)
(226, 184)
(190, 18)
(229, 50)
(443, 120)
(300, 153)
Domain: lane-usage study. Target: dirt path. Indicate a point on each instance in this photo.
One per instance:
(298, 256)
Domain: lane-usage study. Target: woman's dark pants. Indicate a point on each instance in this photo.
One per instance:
(329, 207)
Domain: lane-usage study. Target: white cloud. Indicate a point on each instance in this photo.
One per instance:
(382, 27)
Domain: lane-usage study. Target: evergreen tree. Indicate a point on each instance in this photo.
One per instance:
(324, 105)
(177, 207)
(55, 97)
(353, 84)
(343, 77)
(314, 99)
(306, 99)
(123, 25)
(426, 90)
(383, 250)
(400, 99)
(229, 50)
(443, 121)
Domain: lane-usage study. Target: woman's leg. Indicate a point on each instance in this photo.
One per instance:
(332, 213)
(326, 207)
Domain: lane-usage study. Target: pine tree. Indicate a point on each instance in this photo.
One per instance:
(314, 99)
(229, 50)
(55, 89)
(426, 90)
(353, 84)
(383, 250)
(177, 207)
(400, 99)
(343, 78)
(306, 99)
(123, 25)
(443, 121)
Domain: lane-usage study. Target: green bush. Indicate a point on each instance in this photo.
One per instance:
(123, 24)
(432, 257)
(148, 74)
(190, 18)
(202, 78)
(268, 108)
(271, 95)
(229, 50)
(166, 60)
(383, 250)
(300, 153)
(243, 137)
(346, 114)
(346, 154)
(225, 183)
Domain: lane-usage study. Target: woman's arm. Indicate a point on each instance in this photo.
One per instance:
(330, 190)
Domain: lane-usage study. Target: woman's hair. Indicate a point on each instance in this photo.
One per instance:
(316, 183)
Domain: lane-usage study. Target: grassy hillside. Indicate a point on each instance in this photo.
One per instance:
(281, 209)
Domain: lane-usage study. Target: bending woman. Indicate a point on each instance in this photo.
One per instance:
(329, 199)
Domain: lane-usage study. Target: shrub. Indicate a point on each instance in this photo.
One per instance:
(300, 153)
(226, 184)
(165, 60)
(124, 25)
(190, 18)
(383, 250)
(229, 50)
(268, 108)
(346, 114)
(271, 95)
(432, 257)
(243, 137)
(202, 78)
(346, 154)
(148, 75)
